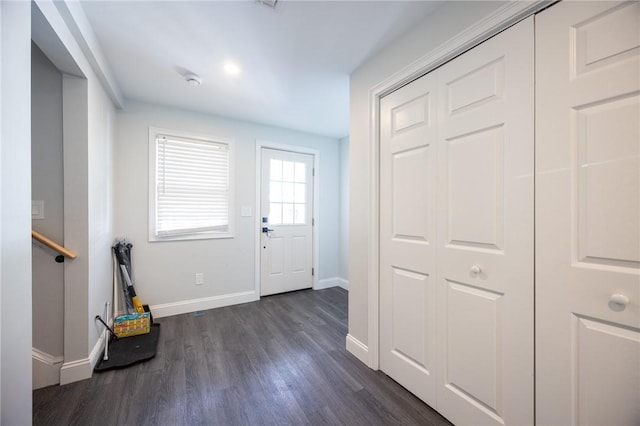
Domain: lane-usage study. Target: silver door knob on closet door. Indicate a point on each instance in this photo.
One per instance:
(618, 302)
(475, 269)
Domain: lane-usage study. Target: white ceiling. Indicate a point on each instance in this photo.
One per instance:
(295, 59)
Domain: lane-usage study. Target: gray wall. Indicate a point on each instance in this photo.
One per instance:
(15, 213)
(446, 22)
(47, 185)
(164, 271)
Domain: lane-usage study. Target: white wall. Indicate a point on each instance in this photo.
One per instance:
(47, 185)
(446, 22)
(164, 271)
(102, 122)
(344, 208)
(15, 203)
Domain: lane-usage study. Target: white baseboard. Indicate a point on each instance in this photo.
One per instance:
(98, 349)
(46, 369)
(343, 283)
(194, 305)
(82, 369)
(74, 371)
(358, 349)
(332, 282)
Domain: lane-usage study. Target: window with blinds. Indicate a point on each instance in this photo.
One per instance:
(191, 185)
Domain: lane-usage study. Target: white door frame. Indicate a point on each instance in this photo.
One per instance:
(258, 214)
(505, 16)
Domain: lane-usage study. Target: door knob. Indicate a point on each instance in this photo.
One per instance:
(475, 270)
(618, 302)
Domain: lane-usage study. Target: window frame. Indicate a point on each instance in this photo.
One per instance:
(154, 132)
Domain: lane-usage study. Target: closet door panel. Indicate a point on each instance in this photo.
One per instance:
(485, 232)
(407, 237)
(588, 213)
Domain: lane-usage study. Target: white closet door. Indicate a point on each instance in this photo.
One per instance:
(407, 237)
(588, 214)
(485, 224)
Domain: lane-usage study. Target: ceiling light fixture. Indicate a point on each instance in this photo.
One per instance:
(270, 3)
(194, 80)
(231, 68)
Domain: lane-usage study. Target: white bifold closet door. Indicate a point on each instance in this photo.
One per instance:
(456, 233)
(588, 214)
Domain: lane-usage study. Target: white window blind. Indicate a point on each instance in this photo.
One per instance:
(192, 186)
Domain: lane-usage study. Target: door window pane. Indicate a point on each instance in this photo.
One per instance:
(275, 192)
(287, 192)
(300, 172)
(300, 193)
(299, 214)
(287, 213)
(287, 171)
(276, 169)
(275, 214)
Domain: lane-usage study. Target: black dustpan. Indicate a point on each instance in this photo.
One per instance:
(131, 350)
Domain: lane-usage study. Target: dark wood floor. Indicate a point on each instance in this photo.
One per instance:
(277, 361)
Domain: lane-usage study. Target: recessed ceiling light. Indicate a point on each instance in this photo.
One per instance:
(231, 68)
(194, 80)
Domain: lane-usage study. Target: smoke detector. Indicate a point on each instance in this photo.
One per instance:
(194, 80)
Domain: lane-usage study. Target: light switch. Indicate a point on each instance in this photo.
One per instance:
(37, 209)
(246, 211)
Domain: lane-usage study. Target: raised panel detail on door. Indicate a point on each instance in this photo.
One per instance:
(607, 136)
(475, 189)
(411, 114)
(591, 365)
(588, 214)
(473, 317)
(410, 309)
(407, 237)
(299, 253)
(596, 46)
(276, 256)
(476, 87)
(409, 220)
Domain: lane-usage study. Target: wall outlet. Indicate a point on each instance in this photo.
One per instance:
(199, 278)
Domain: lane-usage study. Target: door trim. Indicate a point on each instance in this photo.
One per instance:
(316, 212)
(505, 16)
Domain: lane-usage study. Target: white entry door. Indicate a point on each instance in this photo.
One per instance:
(588, 214)
(408, 237)
(286, 243)
(485, 222)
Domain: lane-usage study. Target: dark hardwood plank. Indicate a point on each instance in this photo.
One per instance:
(277, 361)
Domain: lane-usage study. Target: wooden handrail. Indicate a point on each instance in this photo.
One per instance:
(53, 245)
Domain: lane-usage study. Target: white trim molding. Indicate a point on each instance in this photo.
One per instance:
(74, 371)
(357, 349)
(46, 368)
(342, 283)
(195, 305)
(507, 15)
(316, 204)
(332, 282)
